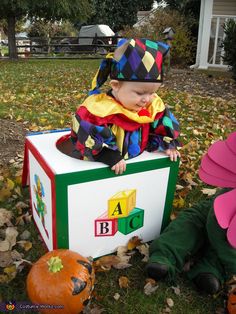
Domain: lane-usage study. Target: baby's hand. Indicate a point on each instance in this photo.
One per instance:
(120, 167)
(173, 154)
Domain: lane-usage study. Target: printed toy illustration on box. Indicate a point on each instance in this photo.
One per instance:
(40, 206)
(122, 215)
(83, 206)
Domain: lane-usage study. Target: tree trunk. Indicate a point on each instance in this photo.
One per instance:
(11, 21)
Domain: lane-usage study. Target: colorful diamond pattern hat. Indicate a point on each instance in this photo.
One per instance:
(218, 168)
(138, 60)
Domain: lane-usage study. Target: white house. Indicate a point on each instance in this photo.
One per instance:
(213, 15)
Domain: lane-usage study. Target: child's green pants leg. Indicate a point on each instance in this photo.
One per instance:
(209, 263)
(182, 237)
(194, 229)
(225, 253)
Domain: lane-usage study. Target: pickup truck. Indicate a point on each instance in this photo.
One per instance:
(91, 38)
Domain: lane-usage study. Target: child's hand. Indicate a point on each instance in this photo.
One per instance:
(172, 153)
(120, 167)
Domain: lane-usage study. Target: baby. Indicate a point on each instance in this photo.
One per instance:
(130, 118)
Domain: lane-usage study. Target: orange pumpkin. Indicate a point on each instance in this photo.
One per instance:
(61, 277)
(232, 302)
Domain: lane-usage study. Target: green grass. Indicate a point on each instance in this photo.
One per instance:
(133, 300)
(42, 94)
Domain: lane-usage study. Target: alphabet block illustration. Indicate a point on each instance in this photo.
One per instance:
(120, 204)
(105, 226)
(73, 210)
(132, 222)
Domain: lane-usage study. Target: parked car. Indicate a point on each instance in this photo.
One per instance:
(38, 47)
(95, 38)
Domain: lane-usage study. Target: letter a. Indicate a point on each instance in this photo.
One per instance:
(117, 211)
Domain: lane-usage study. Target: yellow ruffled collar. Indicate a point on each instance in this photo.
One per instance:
(102, 105)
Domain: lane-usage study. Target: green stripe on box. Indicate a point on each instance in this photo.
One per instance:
(61, 215)
(170, 193)
(62, 181)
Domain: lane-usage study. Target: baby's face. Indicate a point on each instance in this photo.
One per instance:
(135, 95)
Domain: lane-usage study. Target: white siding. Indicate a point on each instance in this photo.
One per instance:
(224, 7)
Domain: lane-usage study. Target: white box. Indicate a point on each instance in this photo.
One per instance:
(69, 197)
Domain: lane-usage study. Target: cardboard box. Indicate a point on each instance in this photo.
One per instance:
(72, 200)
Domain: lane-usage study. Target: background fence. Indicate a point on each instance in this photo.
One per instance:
(65, 47)
(62, 47)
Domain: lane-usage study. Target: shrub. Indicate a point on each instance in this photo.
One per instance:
(229, 44)
(183, 45)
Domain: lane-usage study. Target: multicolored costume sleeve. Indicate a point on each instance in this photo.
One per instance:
(164, 132)
(103, 130)
(93, 141)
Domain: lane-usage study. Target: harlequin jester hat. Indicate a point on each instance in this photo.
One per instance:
(218, 168)
(138, 60)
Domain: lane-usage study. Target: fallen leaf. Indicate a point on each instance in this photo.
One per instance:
(170, 302)
(5, 217)
(176, 290)
(93, 309)
(179, 187)
(11, 234)
(196, 132)
(133, 243)
(10, 272)
(178, 202)
(191, 182)
(18, 178)
(25, 235)
(16, 255)
(178, 107)
(18, 191)
(106, 262)
(209, 192)
(121, 250)
(150, 287)
(6, 190)
(116, 296)
(123, 258)
(10, 239)
(151, 281)
(21, 264)
(3, 279)
(21, 205)
(26, 245)
(25, 218)
(232, 280)
(184, 192)
(5, 246)
(5, 259)
(122, 265)
(10, 184)
(174, 214)
(123, 282)
(144, 250)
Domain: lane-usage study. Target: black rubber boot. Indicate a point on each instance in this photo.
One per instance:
(207, 282)
(156, 271)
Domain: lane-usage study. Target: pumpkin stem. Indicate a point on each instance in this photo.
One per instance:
(55, 264)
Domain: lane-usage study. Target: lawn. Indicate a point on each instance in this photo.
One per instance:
(41, 95)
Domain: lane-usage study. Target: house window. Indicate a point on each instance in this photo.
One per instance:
(216, 51)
